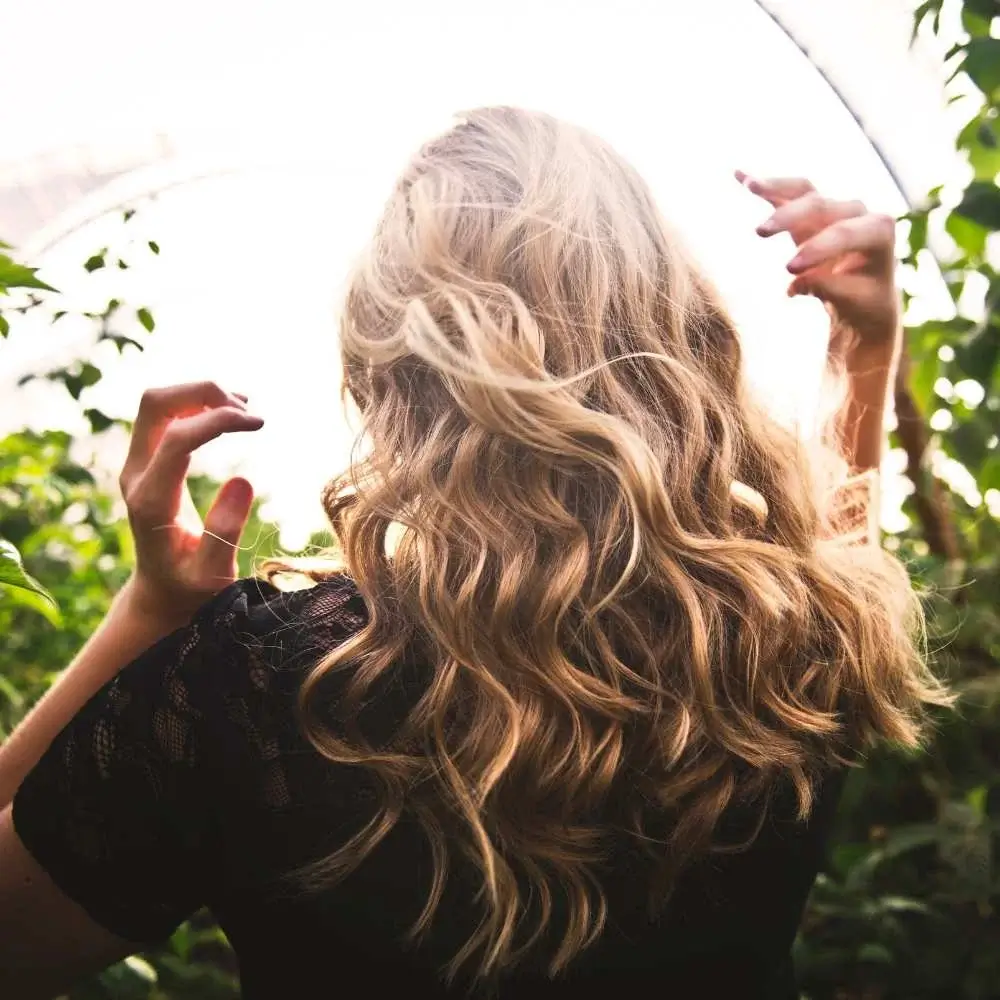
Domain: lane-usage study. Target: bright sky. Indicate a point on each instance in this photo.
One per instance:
(311, 109)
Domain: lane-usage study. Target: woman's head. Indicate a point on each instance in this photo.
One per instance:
(555, 416)
(522, 262)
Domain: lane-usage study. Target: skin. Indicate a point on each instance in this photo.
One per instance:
(844, 257)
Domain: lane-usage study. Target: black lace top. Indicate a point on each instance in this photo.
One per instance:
(186, 783)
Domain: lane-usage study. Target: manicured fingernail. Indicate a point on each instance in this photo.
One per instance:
(767, 228)
(239, 490)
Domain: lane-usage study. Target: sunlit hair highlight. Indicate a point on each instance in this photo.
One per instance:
(626, 581)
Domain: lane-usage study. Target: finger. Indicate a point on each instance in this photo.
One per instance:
(157, 492)
(810, 212)
(867, 234)
(833, 289)
(159, 406)
(224, 524)
(776, 190)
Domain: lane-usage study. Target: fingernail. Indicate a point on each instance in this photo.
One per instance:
(239, 490)
(796, 265)
(767, 228)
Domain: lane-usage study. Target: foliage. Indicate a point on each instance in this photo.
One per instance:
(60, 524)
(907, 908)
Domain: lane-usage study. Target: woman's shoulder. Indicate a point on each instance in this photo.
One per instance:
(252, 613)
(252, 639)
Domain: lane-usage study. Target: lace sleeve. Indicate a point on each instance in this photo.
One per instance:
(119, 809)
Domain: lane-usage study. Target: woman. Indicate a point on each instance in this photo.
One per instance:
(578, 719)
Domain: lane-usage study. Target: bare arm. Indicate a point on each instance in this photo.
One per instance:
(870, 378)
(845, 257)
(48, 941)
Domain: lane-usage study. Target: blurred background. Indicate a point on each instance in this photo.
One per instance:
(183, 189)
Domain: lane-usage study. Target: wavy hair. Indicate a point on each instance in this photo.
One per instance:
(623, 577)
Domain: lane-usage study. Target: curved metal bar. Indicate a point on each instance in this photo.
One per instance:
(877, 147)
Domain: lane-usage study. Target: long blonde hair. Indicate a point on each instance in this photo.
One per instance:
(554, 402)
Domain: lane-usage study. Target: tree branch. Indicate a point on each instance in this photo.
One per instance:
(929, 500)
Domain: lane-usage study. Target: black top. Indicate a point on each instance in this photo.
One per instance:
(186, 783)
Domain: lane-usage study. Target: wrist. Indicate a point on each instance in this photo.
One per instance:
(868, 348)
(872, 360)
(151, 608)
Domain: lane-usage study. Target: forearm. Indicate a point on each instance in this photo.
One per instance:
(862, 419)
(127, 630)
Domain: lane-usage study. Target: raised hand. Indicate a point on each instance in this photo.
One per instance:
(845, 257)
(180, 563)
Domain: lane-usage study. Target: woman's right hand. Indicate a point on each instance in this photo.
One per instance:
(181, 563)
(845, 257)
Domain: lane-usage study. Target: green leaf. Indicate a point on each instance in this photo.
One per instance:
(128, 214)
(122, 265)
(968, 441)
(14, 275)
(989, 475)
(872, 951)
(974, 24)
(146, 319)
(976, 799)
(981, 203)
(982, 64)
(927, 7)
(917, 236)
(121, 341)
(154, 246)
(900, 904)
(13, 573)
(977, 357)
(32, 601)
(96, 262)
(923, 375)
(98, 421)
(987, 9)
(76, 379)
(970, 237)
(11, 693)
(4, 326)
(908, 838)
(980, 139)
(141, 968)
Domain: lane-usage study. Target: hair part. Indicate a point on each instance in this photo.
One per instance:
(554, 400)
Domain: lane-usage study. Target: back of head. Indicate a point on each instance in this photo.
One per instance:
(554, 401)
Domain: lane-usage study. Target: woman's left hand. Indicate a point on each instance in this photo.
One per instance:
(845, 257)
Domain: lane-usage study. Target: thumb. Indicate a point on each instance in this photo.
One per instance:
(224, 524)
(843, 291)
(818, 285)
